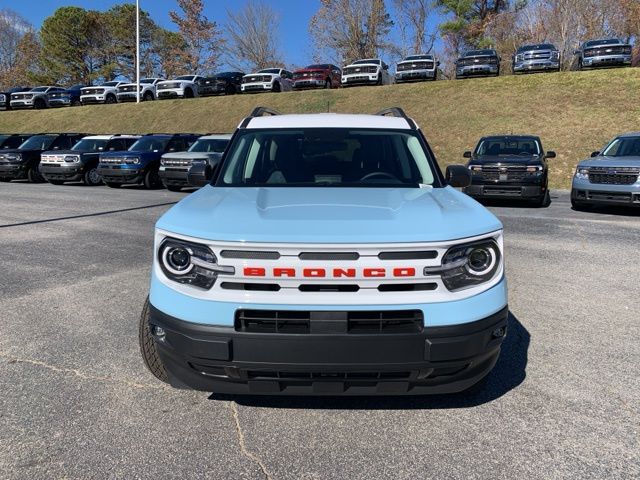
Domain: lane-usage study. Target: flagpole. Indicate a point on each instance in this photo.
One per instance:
(137, 51)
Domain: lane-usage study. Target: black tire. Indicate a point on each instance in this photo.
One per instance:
(543, 201)
(91, 177)
(276, 87)
(173, 188)
(148, 348)
(113, 184)
(230, 90)
(580, 66)
(152, 179)
(33, 175)
(39, 104)
(327, 84)
(188, 93)
(76, 103)
(111, 99)
(56, 182)
(147, 97)
(379, 82)
(579, 206)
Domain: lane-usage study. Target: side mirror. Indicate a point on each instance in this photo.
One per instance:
(594, 154)
(200, 175)
(438, 63)
(550, 154)
(467, 154)
(458, 176)
(386, 67)
(576, 52)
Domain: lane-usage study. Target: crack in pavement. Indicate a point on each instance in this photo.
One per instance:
(243, 446)
(77, 373)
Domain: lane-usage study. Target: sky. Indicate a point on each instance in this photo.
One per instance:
(294, 17)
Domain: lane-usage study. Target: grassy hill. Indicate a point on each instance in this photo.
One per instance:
(574, 113)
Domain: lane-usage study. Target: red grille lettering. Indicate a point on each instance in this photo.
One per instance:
(344, 272)
(254, 272)
(284, 272)
(404, 272)
(374, 272)
(314, 273)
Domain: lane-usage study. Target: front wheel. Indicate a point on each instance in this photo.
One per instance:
(579, 206)
(276, 88)
(543, 201)
(148, 346)
(148, 96)
(152, 179)
(91, 177)
(111, 99)
(33, 175)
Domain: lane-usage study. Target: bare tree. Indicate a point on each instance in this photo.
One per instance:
(12, 29)
(412, 16)
(252, 33)
(202, 37)
(346, 30)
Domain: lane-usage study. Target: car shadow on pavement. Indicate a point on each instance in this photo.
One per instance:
(509, 372)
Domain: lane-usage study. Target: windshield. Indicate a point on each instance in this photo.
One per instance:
(40, 89)
(544, 46)
(508, 146)
(418, 57)
(270, 70)
(38, 142)
(338, 157)
(608, 41)
(185, 77)
(209, 146)
(90, 145)
(110, 84)
(3, 138)
(225, 74)
(623, 147)
(147, 80)
(475, 53)
(317, 67)
(150, 144)
(361, 62)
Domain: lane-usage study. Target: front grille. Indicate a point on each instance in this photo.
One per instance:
(415, 66)
(614, 176)
(127, 88)
(167, 86)
(300, 75)
(59, 95)
(536, 55)
(353, 322)
(251, 255)
(352, 70)
(113, 160)
(256, 78)
(513, 173)
(92, 91)
(601, 51)
(52, 158)
(3, 98)
(477, 61)
(176, 162)
(328, 376)
(20, 96)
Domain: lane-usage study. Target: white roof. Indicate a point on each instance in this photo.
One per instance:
(109, 137)
(217, 136)
(329, 120)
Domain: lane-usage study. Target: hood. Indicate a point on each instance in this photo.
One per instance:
(71, 152)
(130, 153)
(610, 162)
(357, 65)
(507, 160)
(416, 61)
(189, 154)
(310, 70)
(328, 215)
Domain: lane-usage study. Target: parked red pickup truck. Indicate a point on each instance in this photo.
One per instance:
(322, 75)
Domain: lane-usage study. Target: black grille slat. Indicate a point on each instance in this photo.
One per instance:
(254, 287)
(329, 256)
(407, 287)
(328, 288)
(618, 178)
(419, 255)
(250, 255)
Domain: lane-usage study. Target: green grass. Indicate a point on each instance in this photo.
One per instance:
(574, 113)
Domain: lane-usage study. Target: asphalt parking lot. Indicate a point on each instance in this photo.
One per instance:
(76, 402)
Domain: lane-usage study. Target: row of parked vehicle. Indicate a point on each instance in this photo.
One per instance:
(172, 160)
(501, 166)
(371, 71)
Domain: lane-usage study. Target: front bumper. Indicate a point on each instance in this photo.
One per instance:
(477, 70)
(121, 174)
(256, 87)
(16, 104)
(414, 75)
(128, 97)
(177, 176)
(60, 102)
(68, 172)
(360, 79)
(92, 99)
(536, 66)
(606, 61)
(173, 93)
(583, 191)
(308, 83)
(436, 360)
(505, 190)
(13, 170)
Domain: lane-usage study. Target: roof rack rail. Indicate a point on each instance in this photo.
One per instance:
(398, 113)
(259, 112)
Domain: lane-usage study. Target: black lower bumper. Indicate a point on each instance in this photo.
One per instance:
(436, 360)
(121, 175)
(505, 191)
(174, 176)
(600, 197)
(60, 172)
(13, 171)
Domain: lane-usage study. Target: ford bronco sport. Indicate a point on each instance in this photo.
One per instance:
(329, 257)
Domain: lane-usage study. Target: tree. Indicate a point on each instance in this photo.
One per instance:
(12, 29)
(412, 22)
(170, 53)
(202, 37)
(347, 30)
(252, 37)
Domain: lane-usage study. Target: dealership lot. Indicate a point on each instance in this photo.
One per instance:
(563, 401)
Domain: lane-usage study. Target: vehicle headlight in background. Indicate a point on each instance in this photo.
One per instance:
(555, 55)
(534, 169)
(72, 158)
(582, 173)
(475, 168)
(13, 157)
(466, 266)
(190, 263)
(132, 160)
(519, 57)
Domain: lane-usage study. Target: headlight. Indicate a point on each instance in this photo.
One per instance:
(190, 263)
(72, 158)
(533, 169)
(582, 173)
(14, 157)
(519, 57)
(555, 55)
(198, 162)
(475, 168)
(132, 160)
(465, 266)
(626, 50)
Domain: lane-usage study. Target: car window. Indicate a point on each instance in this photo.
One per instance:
(38, 142)
(150, 144)
(327, 157)
(209, 145)
(623, 147)
(90, 144)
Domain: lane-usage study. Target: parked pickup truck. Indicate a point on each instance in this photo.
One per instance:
(175, 167)
(141, 162)
(330, 256)
(227, 83)
(80, 163)
(511, 167)
(37, 98)
(321, 75)
(541, 57)
(268, 80)
(66, 98)
(105, 93)
(607, 52)
(610, 176)
(478, 63)
(185, 86)
(417, 68)
(368, 71)
(24, 161)
(127, 91)
(5, 96)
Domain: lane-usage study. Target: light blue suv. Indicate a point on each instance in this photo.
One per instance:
(328, 256)
(609, 177)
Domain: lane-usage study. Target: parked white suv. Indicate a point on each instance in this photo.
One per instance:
(369, 71)
(185, 86)
(127, 91)
(105, 93)
(268, 80)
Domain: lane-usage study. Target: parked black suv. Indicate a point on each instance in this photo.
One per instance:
(10, 141)
(478, 63)
(509, 166)
(24, 161)
(227, 83)
(81, 162)
(5, 96)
